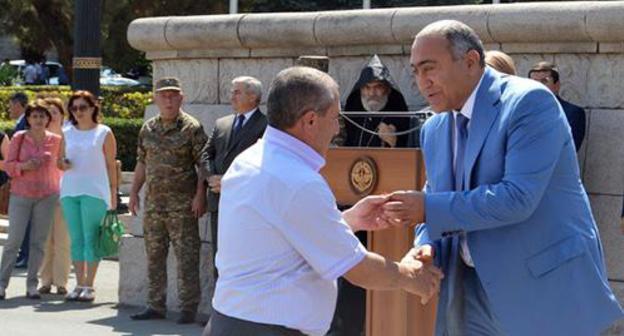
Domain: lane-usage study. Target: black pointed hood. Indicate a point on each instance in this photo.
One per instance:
(374, 69)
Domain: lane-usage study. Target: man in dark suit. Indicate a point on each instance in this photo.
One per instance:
(231, 135)
(547, 74)
(17, 107)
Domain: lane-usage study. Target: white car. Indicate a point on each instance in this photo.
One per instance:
(108, 77)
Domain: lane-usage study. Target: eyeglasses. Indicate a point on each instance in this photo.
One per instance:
(80, 108)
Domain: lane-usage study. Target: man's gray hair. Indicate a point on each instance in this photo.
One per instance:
(461, 37)
(252, 85)
(297, 90)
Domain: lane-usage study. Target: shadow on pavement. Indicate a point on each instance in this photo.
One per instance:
(121, 323)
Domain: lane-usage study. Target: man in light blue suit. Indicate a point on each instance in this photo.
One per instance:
(505, 214)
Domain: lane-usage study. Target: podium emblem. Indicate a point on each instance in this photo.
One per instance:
(363, 176)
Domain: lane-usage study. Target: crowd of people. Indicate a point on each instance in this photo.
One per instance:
(492, 236)
(63, 179)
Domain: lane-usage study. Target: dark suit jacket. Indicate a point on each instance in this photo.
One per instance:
(576, 118)
(221, 149)
(21, 125)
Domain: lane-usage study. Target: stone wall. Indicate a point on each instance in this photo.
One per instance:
(583, 38)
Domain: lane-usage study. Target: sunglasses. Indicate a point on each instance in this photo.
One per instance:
(80, 108)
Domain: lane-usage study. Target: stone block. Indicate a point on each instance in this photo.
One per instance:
(617, 329)
(289, 52)
(266, 30)
(264, 69)
(604, 21)
(133, 282)
(346, 71)
(365, 50)
(607, 211)
(344, 28)
(605, 153)
(148, 34)
(549, 47)
(132, 271)
(492, 46)
(524, 62)
(214, 53)
(199, 78)
(543, 22)
(197, 32)
(407, 22)
(161, 55)
(611, 47)
(401, 71)
(574, 76)
(605, 85)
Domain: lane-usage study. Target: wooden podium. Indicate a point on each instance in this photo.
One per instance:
(388, 313)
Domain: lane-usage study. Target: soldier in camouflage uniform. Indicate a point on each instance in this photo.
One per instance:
(169, 150)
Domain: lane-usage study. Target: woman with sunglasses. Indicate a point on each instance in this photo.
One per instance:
(56, 261)
(88, 188)
(31, 163)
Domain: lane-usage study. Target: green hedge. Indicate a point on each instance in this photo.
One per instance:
(126, 132)
(119, 102)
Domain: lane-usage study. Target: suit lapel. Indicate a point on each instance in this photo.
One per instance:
(483, 115)
(244, 132)
(441, 164)
(227, 132)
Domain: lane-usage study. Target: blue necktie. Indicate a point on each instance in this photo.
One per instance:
(238, 125)
(462, 135)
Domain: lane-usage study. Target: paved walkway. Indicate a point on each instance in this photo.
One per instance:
(51, 316)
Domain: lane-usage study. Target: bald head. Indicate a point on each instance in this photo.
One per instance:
(460, 36)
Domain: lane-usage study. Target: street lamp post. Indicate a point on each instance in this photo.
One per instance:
(233, 6)
(87, 59)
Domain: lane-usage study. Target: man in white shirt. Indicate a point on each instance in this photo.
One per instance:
(283, 243)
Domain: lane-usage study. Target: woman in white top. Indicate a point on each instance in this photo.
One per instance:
(88, 188)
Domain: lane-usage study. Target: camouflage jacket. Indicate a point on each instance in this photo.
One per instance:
(170, 153)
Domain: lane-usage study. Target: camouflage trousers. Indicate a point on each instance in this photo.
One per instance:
(180, 229)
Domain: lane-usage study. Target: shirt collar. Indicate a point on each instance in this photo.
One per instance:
(468, 107)
(22, 116)
(295, 146)
(249, 113)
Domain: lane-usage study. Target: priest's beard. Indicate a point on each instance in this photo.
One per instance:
(374, 104)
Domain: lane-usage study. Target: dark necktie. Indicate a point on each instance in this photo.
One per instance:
(238, 125)
(462, 135)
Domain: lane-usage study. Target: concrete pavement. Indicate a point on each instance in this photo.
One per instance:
(52, 316)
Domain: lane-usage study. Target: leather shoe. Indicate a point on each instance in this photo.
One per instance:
(186, 317)
(148, 314)
(21, 264)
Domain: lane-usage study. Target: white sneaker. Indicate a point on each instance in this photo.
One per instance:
(2, 293)
(87, 295)
(75, 294)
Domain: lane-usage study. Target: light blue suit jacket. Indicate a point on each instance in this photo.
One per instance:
(527, 217)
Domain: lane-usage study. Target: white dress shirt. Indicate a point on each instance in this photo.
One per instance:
(282, 241)
(466, 111)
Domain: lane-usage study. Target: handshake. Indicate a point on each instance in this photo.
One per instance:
(378, 212)
(417, 274)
